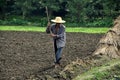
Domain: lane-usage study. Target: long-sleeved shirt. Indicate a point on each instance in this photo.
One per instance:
(61, 34)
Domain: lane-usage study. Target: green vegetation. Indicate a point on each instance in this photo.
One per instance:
(87, 30)
(42, 29)
(22, 28)
(87, 13)
(108, 71)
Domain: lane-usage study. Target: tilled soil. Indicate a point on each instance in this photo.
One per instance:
(24, 55)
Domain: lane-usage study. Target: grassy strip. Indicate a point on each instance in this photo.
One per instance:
(87, 30)
(42, 29)
(99, 73)
(22, 28)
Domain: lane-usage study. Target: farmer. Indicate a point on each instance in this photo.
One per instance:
(57, 32)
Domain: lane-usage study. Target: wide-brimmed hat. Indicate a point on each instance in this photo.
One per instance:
(58, 20)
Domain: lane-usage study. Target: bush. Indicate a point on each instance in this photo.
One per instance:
(20, 21)
(14, 22)
(42, 21)
(106, 22)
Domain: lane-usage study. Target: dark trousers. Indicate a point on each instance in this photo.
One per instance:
(58, 53)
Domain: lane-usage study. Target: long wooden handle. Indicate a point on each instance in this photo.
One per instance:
(48, 18)
(47, 14)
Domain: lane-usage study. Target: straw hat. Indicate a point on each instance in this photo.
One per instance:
(58, 20)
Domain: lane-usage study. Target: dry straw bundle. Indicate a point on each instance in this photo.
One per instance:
(109, 44)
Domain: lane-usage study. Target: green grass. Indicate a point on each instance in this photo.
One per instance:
(42, 29)
(100, 73)
(87, 30)
(21, 28)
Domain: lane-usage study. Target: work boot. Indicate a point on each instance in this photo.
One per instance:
(57, 65)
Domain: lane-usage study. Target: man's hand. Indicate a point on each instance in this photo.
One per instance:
(53, 35)
(48, 24)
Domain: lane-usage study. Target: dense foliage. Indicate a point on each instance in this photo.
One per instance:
(76, 12)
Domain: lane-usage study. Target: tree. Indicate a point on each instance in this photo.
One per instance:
(25, 6)
(94, 9)
(76, 10)
(52, 5)
(109, 44)
(3, 6)
(111, 8)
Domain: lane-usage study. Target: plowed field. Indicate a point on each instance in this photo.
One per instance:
(23, 54)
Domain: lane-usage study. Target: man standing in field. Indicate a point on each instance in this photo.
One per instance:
(57, 32)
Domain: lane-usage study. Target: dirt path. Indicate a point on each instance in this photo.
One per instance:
(26, 53)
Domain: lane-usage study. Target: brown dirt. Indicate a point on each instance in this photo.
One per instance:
(28, 55)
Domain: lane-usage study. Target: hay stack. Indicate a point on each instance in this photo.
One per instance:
(110, 43)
